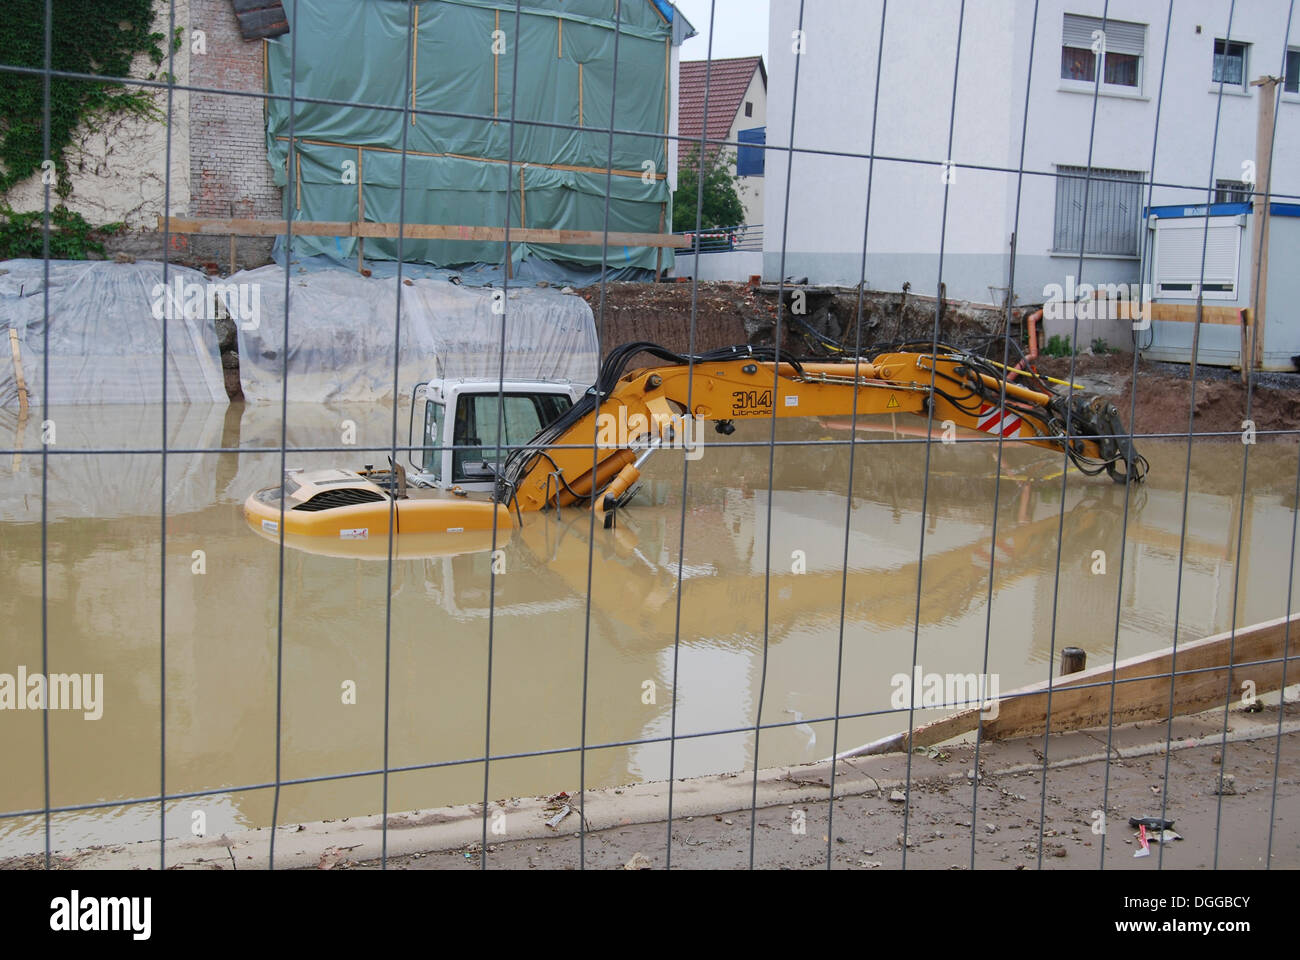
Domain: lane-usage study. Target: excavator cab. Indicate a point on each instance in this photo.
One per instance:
(469, 426)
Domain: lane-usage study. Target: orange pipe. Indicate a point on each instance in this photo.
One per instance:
(1032, 320)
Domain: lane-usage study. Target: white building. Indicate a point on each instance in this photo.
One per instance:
(737, 106)
(836, 89)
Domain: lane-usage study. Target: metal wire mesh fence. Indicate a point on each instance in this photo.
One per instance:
(1104, 215)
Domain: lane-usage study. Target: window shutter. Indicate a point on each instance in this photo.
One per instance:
(1121, 36)
(1077, 31)
(1178, 251)
(1124, 37)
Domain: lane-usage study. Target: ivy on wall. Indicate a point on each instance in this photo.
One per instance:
(72, 237)
(101, 38)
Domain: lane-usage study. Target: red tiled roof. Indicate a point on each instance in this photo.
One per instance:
(728, 81)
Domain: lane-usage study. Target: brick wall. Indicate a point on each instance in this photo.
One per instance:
(229, 173)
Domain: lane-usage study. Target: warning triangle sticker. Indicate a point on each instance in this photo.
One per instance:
(893, 401)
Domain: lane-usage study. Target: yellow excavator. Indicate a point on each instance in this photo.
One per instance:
(593, 452)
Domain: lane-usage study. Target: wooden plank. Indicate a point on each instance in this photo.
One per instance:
(419, 231)
(575, 168)
(1186, 313)
(1245, 346)
(1265, 131)
(361, 215)
(668, 49)
(415, 60)
(659, 255)
(1141, 691)
(18, 371)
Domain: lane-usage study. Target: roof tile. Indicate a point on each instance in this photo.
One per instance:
(727, 81)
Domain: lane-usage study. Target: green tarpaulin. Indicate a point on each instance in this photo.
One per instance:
(347, 162)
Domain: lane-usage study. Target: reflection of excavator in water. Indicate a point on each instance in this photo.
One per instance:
(630, 415)
(639, 594)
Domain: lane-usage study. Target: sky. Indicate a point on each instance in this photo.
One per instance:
(740, 27)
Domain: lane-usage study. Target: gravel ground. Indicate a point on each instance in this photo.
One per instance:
(1015, 824)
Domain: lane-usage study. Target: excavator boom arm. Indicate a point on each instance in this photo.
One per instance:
(655, 406)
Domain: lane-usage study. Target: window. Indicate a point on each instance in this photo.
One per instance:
(1230, 63)
(1292, 82)
(750, 159)
(433, 439)
(1119, 46)
(1232, 191)
(1114, 204)
(477, 418)
(749, 109)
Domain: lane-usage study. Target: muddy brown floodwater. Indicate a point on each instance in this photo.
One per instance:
(104, 562)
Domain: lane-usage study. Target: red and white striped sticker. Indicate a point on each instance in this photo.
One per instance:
(993, 420)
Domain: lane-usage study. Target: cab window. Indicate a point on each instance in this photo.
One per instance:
(478, 418)
(433, 417)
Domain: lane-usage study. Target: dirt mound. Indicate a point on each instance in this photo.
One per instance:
(1164, 396)
(732, 313)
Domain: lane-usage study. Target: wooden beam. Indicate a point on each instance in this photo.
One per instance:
(575, 168)
(419, 231)
(361, 214)
(18, 371)
(1142, 690)
(1245, 345)
(415, 60)
(658, 256)
(668, 51)
(1264, 131)
(523, 203)
(1186, 313)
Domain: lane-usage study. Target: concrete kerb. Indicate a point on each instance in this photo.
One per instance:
(461, 826)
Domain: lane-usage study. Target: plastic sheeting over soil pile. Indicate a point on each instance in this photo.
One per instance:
(106, 333)
(341, 335)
